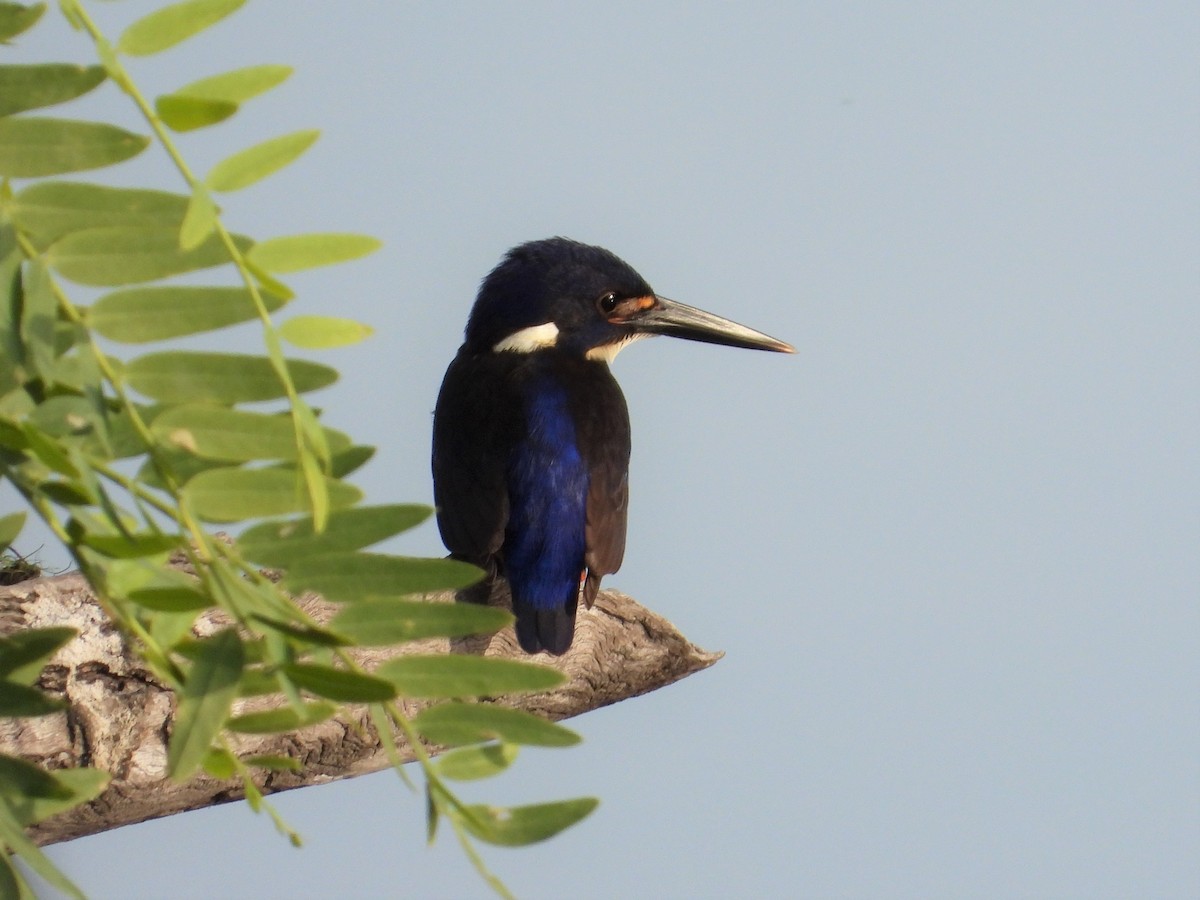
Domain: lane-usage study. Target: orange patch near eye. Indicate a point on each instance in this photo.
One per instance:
(627, 309)
(631, 307)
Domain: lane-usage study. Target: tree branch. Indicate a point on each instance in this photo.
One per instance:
(120, 716)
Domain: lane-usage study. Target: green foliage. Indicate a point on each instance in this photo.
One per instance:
(456, 724)
(237, 86)
(317, 332)
(384, 621)
(516, 826)
(31, 87)
(204, 702)
(166, 27)
(282, 543)
(307, 251)
(186, 377)
(69, 413)
(33, 147)
(10, 527)
(142, 315)
(255, 163)
(466, 676)
(348, 577)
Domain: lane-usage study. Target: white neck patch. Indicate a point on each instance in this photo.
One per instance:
(527, 340)
(608, 352)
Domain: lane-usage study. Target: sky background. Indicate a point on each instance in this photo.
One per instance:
(950, 548)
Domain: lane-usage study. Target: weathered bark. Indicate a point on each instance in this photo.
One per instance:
(120, 716)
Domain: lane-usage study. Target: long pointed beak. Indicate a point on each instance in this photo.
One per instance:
(680, 320)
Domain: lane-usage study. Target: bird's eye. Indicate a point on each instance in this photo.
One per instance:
(608, 303)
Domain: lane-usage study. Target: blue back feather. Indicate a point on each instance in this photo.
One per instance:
(548, 485)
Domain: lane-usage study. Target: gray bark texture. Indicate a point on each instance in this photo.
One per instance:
(120, 716)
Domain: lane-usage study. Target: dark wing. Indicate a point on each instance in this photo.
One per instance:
(604, 424)
(472, 441)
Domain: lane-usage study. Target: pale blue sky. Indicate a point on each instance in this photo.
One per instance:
(950, 548)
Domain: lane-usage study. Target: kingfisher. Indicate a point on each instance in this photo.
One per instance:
(531, 432)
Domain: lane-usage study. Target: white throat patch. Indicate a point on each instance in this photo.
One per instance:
(527, 340)
(608, 352)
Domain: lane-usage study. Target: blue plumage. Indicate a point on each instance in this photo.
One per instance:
(531, 432)
(547, 485)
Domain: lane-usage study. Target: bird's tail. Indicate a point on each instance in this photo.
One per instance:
(545, 629)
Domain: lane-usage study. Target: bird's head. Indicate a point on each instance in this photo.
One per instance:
(582, 300)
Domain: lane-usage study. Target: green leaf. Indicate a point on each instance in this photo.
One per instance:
(19, 777)
(320, 332)
(23, 654)
(350, 460)
(67, 493)
(315, 443)
(204, 702)
(12, 435)
(314, 483)
(307, 634)
(15, 18)
(81, 785)
(257, 682)
(133, 546)
(10, 528)
(256, 163)
(48, 451)
(181, 464)
(168, 628)
(182, 112)
(112, 256)
(231, 495)
(200, 221)
(31, 147)
(131, 578)
(12, 372)
(220, 764)
(281, 543)
(123, 439)
(473, 763)
(339, 684)
(269, 284)
(122, 577)
(170, 599)
(217, 432)
(77, 369)
(385, 621)
(283, 718)
(517, 826)
(308, 251)
(50, 209)
(20, 701)
(166, 27)
(180, 376)
(38, 317)
(140, 315)
(239, 85)
(12, 885)
(345, 577)
(456, 724)
(14, 836)
(431, 814)
(455, 675)
(31, 87)
(252, 651)
(274, 763)
(64, 415)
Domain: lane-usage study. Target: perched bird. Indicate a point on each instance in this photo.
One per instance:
(531, 431)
